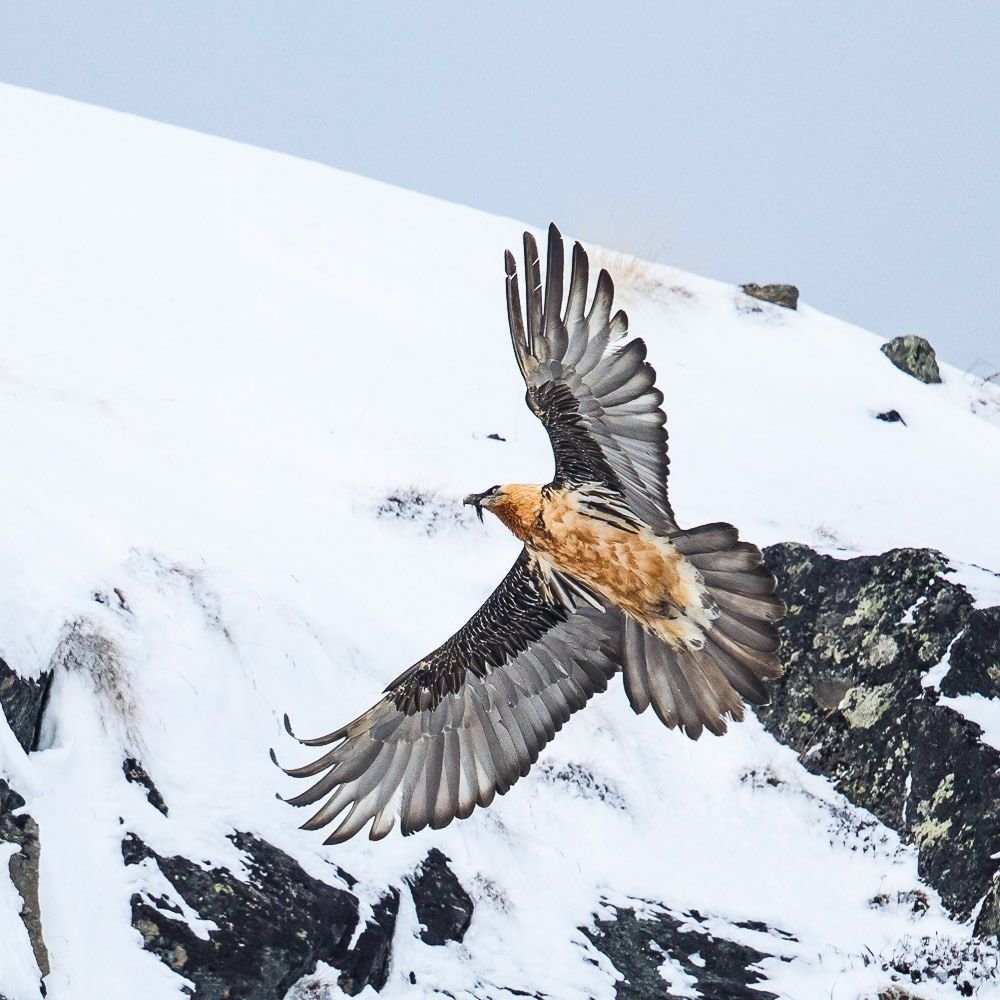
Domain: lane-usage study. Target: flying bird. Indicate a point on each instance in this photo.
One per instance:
(606, 582)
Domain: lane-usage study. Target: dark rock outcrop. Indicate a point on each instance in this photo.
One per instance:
(22, 701)
(890, 417)
(637, 947)
(21, 829)
(915, 356)
(988, 921)
(136, 774)
(369, 959)
(271, 930)
(975, 657)
(781, 295)
(953, 814)
(859, 637)
(444, 908)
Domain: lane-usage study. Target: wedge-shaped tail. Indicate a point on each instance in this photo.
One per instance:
(697, 689)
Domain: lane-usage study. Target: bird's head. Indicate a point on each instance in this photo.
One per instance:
(487, 499)
(517, 505)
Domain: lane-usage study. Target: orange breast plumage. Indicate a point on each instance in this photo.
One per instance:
(641, 573)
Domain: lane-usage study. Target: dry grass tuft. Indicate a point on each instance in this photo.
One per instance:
(86, 649)
(635, 279)
(425, 508)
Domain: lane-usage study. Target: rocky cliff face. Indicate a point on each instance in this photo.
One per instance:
(870, 646)
(875, 648)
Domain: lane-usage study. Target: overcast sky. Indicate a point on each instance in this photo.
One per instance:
(852, 148)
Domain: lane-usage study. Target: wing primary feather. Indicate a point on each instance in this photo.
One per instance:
(446, 807)
(554, 274)
(413, 812)
(382, 825)
(576, 327)
(390, 786)
(533, 296)
(468, 720)
(435, 770)
(556, 338)
(330, 809)
(514, 318)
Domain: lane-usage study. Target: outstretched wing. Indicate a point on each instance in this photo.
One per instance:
(601, 409)
(468, 720)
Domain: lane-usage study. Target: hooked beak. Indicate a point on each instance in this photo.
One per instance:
(475, 500)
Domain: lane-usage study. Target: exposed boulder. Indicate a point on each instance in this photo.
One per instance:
(22, 701)
(444, 908)
(781, 295)
(271, 930)
(663, 956)
(136, 774)
(915, 356)
(860, 636)
(891, 417)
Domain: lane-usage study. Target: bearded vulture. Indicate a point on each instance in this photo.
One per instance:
(606, 582)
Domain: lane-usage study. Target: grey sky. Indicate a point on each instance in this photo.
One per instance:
(852, 148)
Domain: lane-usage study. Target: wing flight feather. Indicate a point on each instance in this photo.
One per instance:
(601, 407)
(466, 721)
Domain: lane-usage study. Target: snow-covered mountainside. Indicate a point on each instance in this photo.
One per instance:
(241, 397)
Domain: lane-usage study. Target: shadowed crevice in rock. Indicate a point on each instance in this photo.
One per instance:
(639, 946)
(975, 657)
(23, 701)
(859, 637)
(270, 930)
(443, 907)
(370, 957)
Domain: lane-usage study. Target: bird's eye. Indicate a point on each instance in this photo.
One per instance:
(494, 491)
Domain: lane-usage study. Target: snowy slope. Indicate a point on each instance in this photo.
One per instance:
(216, 363)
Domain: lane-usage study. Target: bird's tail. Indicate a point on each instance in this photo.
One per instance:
(697, 688)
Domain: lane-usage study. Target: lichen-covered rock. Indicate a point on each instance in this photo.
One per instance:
(859, 637)
(21, 829)
(271, 930)
(853, 663)
(22, 701)
(988, 921)
(975, 657)
(662, 956)
(443, 907)
(953, 812)
(781, 295)
(915, 356)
